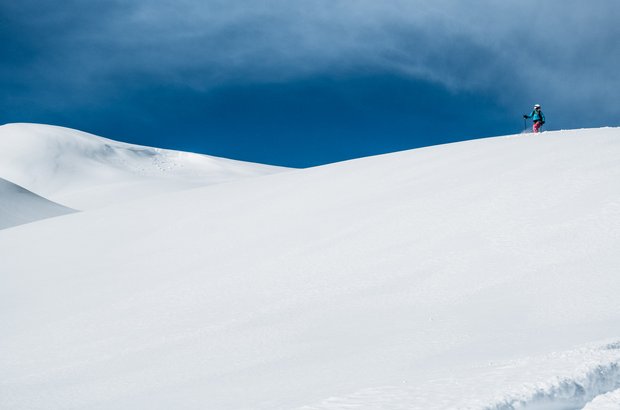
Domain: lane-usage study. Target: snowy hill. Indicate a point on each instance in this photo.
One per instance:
(477, 275)
(19, 206)
(83, 171)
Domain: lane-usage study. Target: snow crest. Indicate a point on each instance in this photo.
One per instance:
(84, 171)
(559, 381)
(569, 392)
(19, 206)
(609, 401)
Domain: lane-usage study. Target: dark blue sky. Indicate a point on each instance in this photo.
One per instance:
(302, 83)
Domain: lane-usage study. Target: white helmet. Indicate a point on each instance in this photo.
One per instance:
(536, 105)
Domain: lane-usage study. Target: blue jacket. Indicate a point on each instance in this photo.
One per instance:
(537, 115)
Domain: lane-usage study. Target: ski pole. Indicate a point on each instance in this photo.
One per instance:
(524, 124)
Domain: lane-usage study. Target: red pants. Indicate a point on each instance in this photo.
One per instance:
(537, 125)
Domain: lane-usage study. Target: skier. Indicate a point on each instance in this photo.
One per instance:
(537, 116)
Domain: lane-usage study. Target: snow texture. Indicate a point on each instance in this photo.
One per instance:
(566, 380)
(19, 206)
(609, 401)
(477, 275)
(84, 171)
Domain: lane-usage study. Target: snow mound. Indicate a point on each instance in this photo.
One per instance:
(445, 277)
(561, 380)
(83, 171)
(609, 401)
(19, 206)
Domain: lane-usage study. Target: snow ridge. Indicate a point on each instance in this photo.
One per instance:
(608, 401)
(580, 376)
(568, 393)
(19, 206)
(84, 171)
(558, 381)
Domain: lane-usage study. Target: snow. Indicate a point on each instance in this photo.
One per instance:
(19, 206)
(477, 275)
(84, 171)
(609, 401)
(561, 380)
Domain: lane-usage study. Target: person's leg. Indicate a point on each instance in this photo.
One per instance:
(537, 125)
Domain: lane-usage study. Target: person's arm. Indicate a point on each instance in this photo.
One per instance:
(528, 116)
(542, 117)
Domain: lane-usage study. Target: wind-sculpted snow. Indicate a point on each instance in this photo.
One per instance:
(594, 373)
(438, 278)
(19, 206)
(84, 171)
(564, 380)
(608, 401)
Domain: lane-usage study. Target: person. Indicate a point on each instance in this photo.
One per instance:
(537, 116)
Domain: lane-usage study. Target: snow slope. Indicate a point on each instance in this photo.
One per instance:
(477, 275)
(19, 206)
(83, 171)
(609, 401)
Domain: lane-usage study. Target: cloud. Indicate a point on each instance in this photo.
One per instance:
(562, 50)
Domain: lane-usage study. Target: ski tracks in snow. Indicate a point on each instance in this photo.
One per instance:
(568, 380)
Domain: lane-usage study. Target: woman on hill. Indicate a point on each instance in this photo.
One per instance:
(537, 116)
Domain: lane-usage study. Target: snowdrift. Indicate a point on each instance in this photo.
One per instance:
(477, 275)
(19, 206)
(84, 171)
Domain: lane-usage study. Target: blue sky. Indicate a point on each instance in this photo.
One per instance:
(302, 83)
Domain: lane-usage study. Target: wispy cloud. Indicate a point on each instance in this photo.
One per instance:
(561, 49)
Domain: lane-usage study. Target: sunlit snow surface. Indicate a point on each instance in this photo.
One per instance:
(561, 380)
(84, 171)
(609, 401)
(477, 275)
